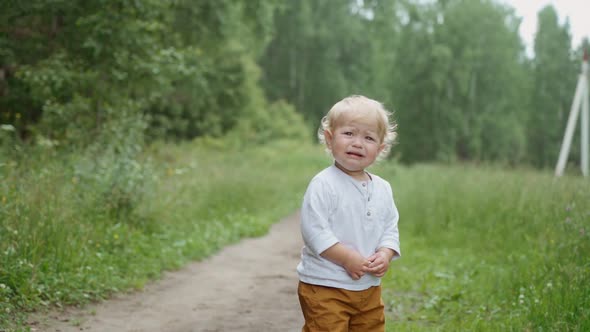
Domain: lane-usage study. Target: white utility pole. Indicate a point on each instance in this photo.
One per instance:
(580, 102)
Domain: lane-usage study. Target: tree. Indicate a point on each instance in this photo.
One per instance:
(185, 68)
(460, 74)
(319, 54)
(554, 75)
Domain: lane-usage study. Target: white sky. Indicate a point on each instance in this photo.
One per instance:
(578, 12)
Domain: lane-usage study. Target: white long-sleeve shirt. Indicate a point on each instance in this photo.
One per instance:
(339, 209)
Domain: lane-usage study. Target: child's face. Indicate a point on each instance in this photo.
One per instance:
(355, 144)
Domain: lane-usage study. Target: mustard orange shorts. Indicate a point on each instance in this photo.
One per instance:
(340, 310)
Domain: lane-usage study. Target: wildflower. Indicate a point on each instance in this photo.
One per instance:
(549, 284)
(2, 286)
(116, 236)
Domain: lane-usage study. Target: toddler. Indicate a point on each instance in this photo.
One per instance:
(348, 223)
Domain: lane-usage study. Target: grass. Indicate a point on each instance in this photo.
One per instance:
(64, 240)
(489, 250)
(483, 249)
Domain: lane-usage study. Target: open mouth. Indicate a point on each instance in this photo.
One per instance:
(354, 154)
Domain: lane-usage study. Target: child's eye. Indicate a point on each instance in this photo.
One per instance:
(370, 138)
(348, 133)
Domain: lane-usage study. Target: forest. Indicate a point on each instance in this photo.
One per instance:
(74, 75)
(107, 104)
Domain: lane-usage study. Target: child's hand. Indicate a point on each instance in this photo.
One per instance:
(379, 262)
(356, 265)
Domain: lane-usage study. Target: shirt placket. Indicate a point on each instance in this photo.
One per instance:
(367, 189)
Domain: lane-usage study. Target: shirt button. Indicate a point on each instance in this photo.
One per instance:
(369, 213)
(364, 184)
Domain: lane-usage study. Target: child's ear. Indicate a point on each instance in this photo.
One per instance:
(328, 138)
(381, 147)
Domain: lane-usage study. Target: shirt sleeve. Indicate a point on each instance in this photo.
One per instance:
(315, 211)
(390, 236)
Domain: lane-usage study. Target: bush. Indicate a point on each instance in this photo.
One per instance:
(278, 121)
(112, 170)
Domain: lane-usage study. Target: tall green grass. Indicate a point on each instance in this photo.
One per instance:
(489, 250)
(68, 236)
(482, 249)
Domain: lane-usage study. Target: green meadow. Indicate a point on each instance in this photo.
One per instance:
(483, 248)
(486, 249)
(69, 237)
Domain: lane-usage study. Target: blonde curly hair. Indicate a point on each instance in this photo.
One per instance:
(357, 106)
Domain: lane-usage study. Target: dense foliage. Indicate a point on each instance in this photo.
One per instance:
(179, 69)
(455, 72)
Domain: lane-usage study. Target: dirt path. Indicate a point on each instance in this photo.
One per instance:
(250, 286)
